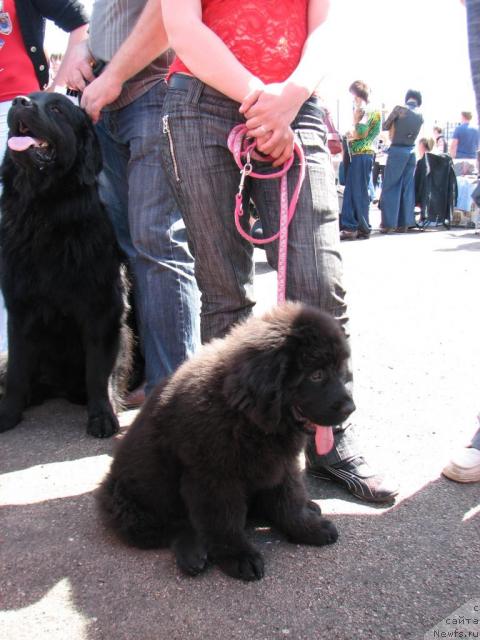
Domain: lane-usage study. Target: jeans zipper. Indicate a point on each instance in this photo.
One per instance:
(166, 130)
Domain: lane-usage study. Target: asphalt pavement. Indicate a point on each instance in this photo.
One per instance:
(395, 572)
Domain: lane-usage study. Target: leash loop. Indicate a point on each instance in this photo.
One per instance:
(243, 147)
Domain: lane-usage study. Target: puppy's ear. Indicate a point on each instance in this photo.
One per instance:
(256, 388)
(89, 154)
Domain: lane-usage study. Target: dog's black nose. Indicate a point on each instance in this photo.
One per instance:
(22, 101)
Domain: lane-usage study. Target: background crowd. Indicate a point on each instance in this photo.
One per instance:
(414, 179)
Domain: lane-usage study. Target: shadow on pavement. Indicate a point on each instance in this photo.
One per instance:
(393, 573)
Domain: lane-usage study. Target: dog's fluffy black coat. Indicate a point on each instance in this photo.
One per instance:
(221, 438)
(60, 266)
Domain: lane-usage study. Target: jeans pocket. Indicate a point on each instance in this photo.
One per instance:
(320, 175)
(171, 145)
(314, 145)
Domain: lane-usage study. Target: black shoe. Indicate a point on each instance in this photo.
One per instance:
(363, 234)
(357, 477)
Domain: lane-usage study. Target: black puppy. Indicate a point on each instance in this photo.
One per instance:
(60, 265)
(221, 438)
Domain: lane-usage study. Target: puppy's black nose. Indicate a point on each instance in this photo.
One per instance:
(22, 101)
(345, 406)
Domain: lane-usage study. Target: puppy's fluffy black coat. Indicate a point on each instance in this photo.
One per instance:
(222, 436)
(60, 265)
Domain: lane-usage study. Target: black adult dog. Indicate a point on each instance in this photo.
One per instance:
(220, 439)
(60, 265)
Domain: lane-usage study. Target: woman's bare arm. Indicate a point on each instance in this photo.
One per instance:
(203, 52)
(277, 105)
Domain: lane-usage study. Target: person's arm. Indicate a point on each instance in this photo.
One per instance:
(145, 43)
(276, 106)
(206, 56)
(75, 38)
(210, 60)
(453, 147)
(454, 142)
(390, 119)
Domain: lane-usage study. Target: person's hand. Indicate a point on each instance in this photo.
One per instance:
(283, 148)
(358, 115)
(269, 113)
(102, 91)
(78, 67)
(274, 106)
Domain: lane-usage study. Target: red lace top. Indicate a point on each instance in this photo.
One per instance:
(266, 36)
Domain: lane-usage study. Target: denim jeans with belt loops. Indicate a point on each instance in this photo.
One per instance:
(151, 232)
(205, 178)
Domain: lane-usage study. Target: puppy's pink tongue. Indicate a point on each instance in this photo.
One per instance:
(21, 143)
(323, 439)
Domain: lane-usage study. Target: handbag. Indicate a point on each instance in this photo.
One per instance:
(334, 139)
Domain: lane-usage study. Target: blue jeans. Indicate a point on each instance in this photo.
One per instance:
(151, 232)
(397, 201)
(356, 196)
(205, 179)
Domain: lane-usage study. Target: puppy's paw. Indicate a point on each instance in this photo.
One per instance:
(313, 530)
(325, 532)
(247, 566)
(191, 556)
(102, 425)
(9, 420)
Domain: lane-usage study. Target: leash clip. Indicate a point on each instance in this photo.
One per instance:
(246, 171)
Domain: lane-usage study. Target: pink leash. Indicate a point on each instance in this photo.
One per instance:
(241, 147)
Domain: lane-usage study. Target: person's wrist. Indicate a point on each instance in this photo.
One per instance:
(296, 93)
(113, 76)
(255, 84)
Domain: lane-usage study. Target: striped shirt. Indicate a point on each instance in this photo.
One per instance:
(110, 25)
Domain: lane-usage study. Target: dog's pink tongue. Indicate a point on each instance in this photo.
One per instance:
(21, 143)
(323, 439)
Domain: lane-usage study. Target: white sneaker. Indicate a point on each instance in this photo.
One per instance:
(464, 466)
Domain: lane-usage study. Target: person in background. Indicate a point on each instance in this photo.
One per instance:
(55, 60)
(464, 143)
(397, 202)
(24, 66)
(126, 101)
(424, 145)
(465, 464)
(266, 68)
(440, 142)
(354, 218)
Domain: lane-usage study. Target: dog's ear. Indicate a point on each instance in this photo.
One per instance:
(89, 154)
(255, 388)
